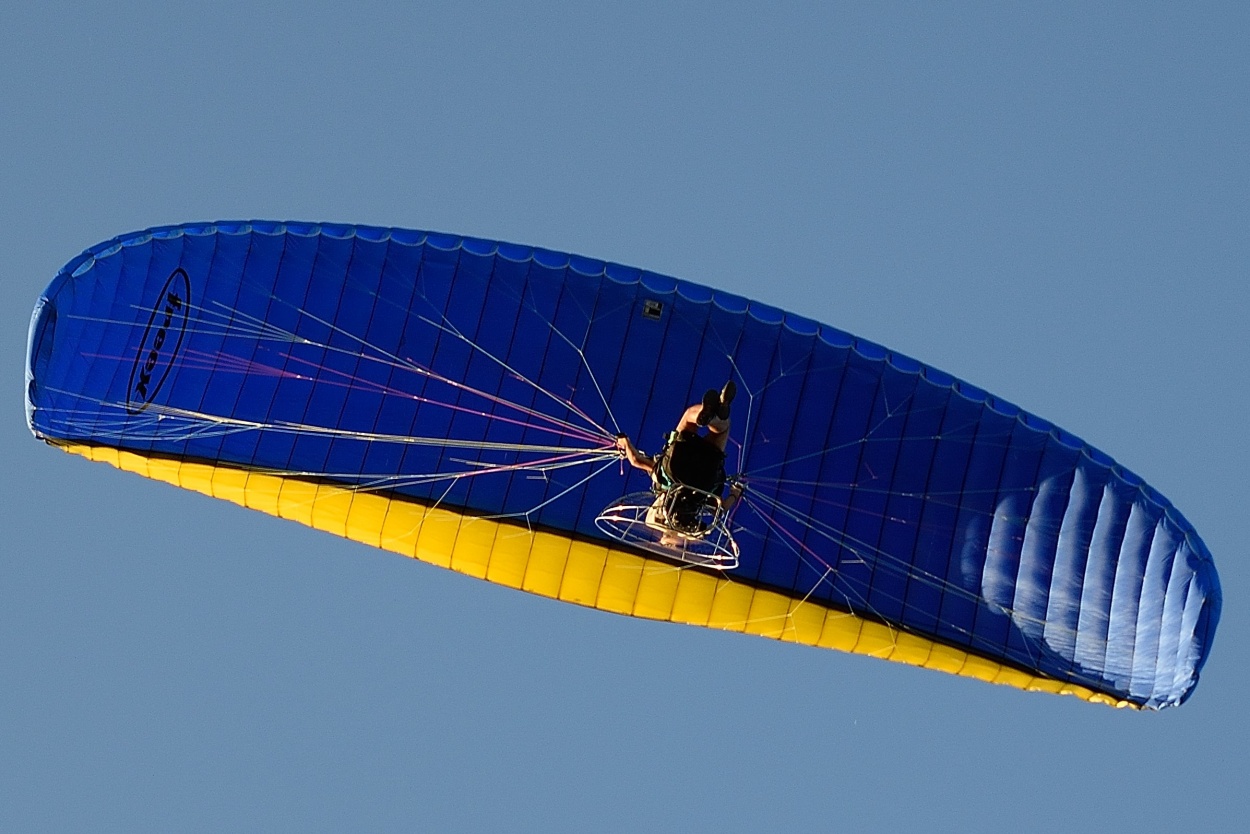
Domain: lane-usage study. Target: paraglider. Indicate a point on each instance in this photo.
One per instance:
(459, 401)
(686, 506)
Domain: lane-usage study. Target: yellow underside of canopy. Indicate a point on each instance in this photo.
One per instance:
(594, 575)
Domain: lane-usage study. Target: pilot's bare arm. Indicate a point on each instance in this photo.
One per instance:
(637, 459)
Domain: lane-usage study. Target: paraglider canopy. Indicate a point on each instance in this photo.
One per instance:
(457, 400)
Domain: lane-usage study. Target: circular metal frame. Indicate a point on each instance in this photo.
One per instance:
(683, 523)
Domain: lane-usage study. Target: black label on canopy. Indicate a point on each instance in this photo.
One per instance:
(161, 341)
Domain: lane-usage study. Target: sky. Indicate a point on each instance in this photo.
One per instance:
(1047, 200)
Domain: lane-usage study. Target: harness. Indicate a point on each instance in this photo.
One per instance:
(689, 476)
(689, 459)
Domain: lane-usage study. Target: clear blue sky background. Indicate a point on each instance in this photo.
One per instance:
(1050, 200)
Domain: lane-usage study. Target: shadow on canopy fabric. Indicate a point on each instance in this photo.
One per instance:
(456, 400)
